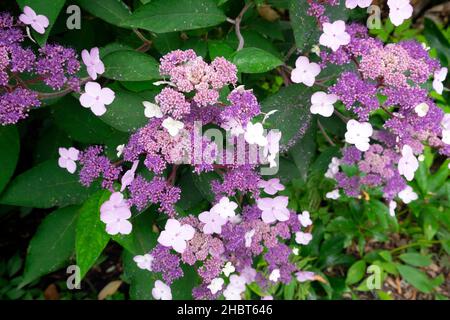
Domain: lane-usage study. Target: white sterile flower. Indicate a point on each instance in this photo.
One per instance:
(439, 77)
(234, 127)
(316, 50)
(399, 11)
(272, 147)
(228, 269)
(421, 157)
(248, 238)
(274, 275)
(236, 219)
(408, 164)
(352, 4)
(304, 219)
(422, 109)
(67, 158)
(225, 208)
(235, 288)
(333, 168)
(254, 134)
(144, 262)
(213, 222)
(119, 150)
(359, 133)
(161, 291)
(305, 72)
(295, 251)
(333, 194)
(238, 282)
(445, 124)
(303, 237)
(408, 195)
(128, 176)
(274, 209)
(392, 206)
(172, 126)
(175, 235)
(216, 285)
(152, 110)
(322, 103)
(334, 35)
(271, 186)
(425, 47)
(268, 114)
(96, 98)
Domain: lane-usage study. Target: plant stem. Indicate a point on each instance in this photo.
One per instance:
(327, 137)
(237, 25)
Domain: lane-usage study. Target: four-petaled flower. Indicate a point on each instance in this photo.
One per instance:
(399, 11)
(407, 195)
(94, 65)
(216, 285)
(439, 77)
(161, 291)
(128, 176)
(352, 4)
(175, 235)
(38, 22)
(305, 72)
(115, 213)
(271, 186)
(67, 158)
(274, 275)
(408, 163)
(359, 133)
(303, 237)
(254, 134)
(144, 262)
(322, 103)
(272, 147)
(172, 126)
(334, 35)
(213, 222)
(274, 209)
(228, 269)
(225, 208)
(152, 110)
(96, 98)
(305, 219)
(422, 109)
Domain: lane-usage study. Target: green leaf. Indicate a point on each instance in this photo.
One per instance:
(81, 124)
(128, 65)
(141, 281)
(304, 150)
(52, 245)
(356, 272)
(437, 40)
(162, 16)
(48, 8)
(416, 278)
(91, 237)
(44, 186)
(415, 259)
(10, 146)
(111, 11)
(126, 113)
(203, 183)
(293, 116)
(305, 28)
(219, 48)
(255, 60)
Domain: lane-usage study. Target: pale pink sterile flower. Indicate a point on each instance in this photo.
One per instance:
(228, 269)
(267, 298)
(67, 158)
(303, 276)
(305, 72)
(128, 176)
(334, 35)
(96, 98)
(439, 77)
(274, 209)
(334, 195)
(225, 208)
(408, 163)
(249, 274)
(175, 235)
(399, 11)
(392, 206)
(359, 133)
(213, 222)
(304, 219)
(271, 186)
(408, 195)
(272, 147)
(115, 213)
(322, 103)
(303, 237)
(352, 4)
(94, 65)
(248, 238)
(38, 22)
(144, 262)
(161, 291)
(333, 168)
(172, 126)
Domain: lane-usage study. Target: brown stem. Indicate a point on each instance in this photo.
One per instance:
(327, 137)
(173, 175)
(237, 25)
